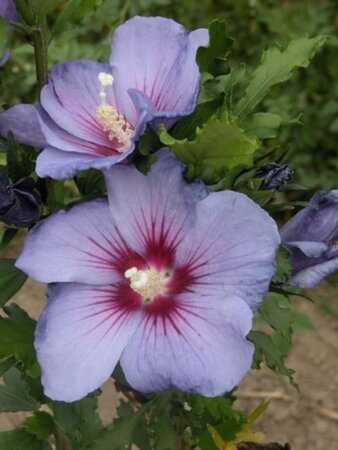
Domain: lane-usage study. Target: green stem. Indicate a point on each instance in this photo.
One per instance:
(39, 36)
(61, 441)
(37, 30)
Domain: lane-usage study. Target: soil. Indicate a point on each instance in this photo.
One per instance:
(307, 419)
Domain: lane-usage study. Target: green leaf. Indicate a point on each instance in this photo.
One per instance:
(187, 127)
(19, 440)
(14, 395)
(272, 350)
(7, 237)
(19, 160)
(74, 13)
(11, 279)
(276, 66)
(213, 58)
(14, 312)
(140, 434)
(41, 425)
(149, 142)
(276, 312)
(6, 364)
(164, 433)
(218, 148)
(283, 271)
(263, 125)
(217, 407)
(90, 183)
(16, 338)
(120, 437)
(79, 420)
(302, 322)
(45, 6)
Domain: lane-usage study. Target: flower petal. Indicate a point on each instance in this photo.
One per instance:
(152, 211)
(157, 56)
(59, 165)
(72, 96)
(237, 243)
(58, 138)
(23, 121)
(74, 245)
(80, 337)
(200, 348)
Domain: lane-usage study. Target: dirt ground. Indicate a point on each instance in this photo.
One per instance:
(308, 419)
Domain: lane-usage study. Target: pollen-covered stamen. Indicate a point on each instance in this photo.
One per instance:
(113, 123)
(148, 283)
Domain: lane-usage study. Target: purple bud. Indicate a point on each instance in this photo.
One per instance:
(274, 175)
(312, 236)
(19, 203)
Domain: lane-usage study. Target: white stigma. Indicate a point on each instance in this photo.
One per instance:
(105, 80)
(148, 283)
(113, 123)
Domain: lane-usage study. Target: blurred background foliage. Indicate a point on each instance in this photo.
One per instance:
(256, 25)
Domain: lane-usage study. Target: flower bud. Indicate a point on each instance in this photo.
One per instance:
(19, 203)
(274, 175)
(312, 236)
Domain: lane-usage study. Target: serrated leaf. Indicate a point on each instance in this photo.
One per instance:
(79, 420)
(219, 147)
(74, 13)
(276, 312)
(140, 434)
(19, 440)
(270, 350)
(213, 58)
(11, 279)
(273, 349)
(41, 425)
(17, 339)
(120, 437)
(218, 407)
(276, 66)
(14, 395)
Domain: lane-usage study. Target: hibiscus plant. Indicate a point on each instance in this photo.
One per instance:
(151, 187)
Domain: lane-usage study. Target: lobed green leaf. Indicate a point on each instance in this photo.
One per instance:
(14, 394)
(276, 66)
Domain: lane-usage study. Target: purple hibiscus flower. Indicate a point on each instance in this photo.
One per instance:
(91, 114)
(163, 277)
(7, 11)
(312, 236)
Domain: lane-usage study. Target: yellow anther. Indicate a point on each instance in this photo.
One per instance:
(113, 123)
(148, 283)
